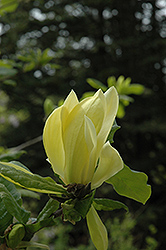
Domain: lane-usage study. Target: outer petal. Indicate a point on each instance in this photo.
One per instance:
(76, 151)
(53, 144)
(112, 102)
(95, 108)
(53, 131)
(97, 230)
(109, 164)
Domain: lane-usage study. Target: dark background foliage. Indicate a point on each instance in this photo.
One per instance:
(94, 39)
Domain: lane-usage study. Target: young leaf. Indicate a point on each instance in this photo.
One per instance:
(96, 84)
(48, 106)
(108, 205)
(12, 206)
(22, 177)
(111, 81)
(136, 89)
(131, 184)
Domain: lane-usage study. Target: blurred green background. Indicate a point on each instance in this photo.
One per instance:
(50, 47)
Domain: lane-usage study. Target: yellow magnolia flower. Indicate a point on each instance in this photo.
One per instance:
(75, 137)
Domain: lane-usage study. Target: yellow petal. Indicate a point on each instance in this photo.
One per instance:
(70, 102)
(53, 143)
(112, 101)
(97, 230)
(76, 151)
(91, 142)
(90, 134)
(94, 108)
(109, 164)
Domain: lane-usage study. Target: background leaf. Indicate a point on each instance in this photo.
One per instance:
(8, 6)
(131, 184)
(10, 155)
(7, 72)
(32, 245)
(96, 84)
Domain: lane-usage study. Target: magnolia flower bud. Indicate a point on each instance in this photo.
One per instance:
(75, 139)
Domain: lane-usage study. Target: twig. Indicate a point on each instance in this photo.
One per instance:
(27, 144)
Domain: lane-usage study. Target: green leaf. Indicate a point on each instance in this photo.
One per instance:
(69, 212)
(51, 206)
(49, 106)
(5, 217)
(126, 99)
(131, 184)
(119, 84)
(87, 94)
(19, 164)
(10, 82)
(28, 193)
(20, 176)
(29, 66)
(54, 66)
(44, 219)
(12, 206)
(15, 235)
(114, 128)
(108, 205)
(45, 57)
(121, 111)
(82, 206)
(96, 84)
(111, 81)
(8, 6)
(136, 89)
(10, 155)
(7, 72)
(5, 64)
(32, 245)
(26, 58)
